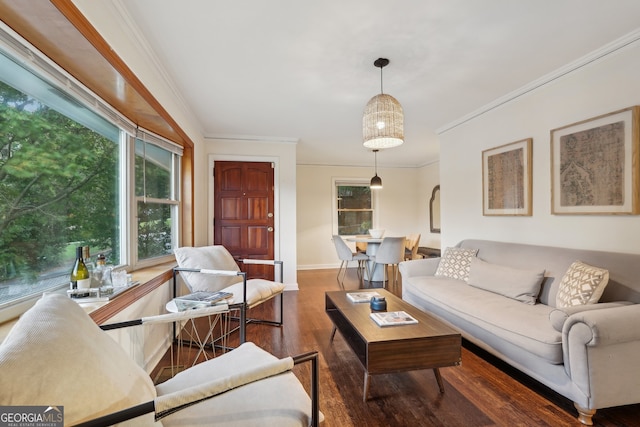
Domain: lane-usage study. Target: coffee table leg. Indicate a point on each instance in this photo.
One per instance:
(436, 371)
(365, 391)
(333, 333)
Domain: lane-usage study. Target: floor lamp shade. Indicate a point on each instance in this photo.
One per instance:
(383, 122)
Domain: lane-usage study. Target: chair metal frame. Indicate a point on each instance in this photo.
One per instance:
(242, 306)
(148, 407)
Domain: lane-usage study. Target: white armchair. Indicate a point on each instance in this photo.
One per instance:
(57, 355)
(199, 267)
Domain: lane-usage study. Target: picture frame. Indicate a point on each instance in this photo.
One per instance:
(506, 179)
(595, 167)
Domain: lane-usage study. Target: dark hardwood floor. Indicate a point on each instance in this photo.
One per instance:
(481, 392)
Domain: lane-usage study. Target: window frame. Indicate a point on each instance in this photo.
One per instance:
(174, 202)
(355, 182)
(33, 61)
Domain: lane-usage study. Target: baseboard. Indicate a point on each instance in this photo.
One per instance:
(322, 266)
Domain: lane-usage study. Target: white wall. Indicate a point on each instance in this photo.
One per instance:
(402, 207)
(604, 86)
(146, 344)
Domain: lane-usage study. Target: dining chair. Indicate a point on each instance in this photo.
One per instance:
(411, 248)
(390, 252)
(346, 255)
(362, 246)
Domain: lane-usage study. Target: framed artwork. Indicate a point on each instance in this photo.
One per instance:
(506, 179)
(594, 165)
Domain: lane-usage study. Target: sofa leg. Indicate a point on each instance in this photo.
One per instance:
(585, 415)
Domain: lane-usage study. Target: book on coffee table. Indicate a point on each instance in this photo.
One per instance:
(362, 296)
(201, 299)
(393, 318)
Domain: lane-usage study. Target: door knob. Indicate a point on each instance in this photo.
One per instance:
(270, 229)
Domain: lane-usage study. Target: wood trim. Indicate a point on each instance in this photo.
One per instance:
(58, 29)
(122, 301)
(77, 19)
(187, 199)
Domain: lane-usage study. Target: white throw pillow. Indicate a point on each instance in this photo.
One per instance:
(56, 355)
(455, 263)
(521, 285)
(581, 284)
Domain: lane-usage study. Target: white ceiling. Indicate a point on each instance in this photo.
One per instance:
(303, 71)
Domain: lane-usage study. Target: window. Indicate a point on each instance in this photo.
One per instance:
(156, 199)
(354, 207)
(64, 182)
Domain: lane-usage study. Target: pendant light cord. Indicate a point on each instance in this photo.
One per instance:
(375, 161)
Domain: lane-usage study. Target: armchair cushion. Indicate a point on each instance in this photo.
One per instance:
(55, 344)
(258, 290)
(282, 400)
(217, 257)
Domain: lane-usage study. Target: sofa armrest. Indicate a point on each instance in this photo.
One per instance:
(601, 350)
(558, 316)
(419, 267)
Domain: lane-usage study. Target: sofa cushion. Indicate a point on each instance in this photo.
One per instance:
(56, 355)
(523, 325)
(581, 284)
(455, 263)
(521, 285)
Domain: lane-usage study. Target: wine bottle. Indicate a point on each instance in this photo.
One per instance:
(80, 278)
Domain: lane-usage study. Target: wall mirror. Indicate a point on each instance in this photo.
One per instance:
(434, 210)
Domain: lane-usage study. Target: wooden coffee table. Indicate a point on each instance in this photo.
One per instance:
(429, 344)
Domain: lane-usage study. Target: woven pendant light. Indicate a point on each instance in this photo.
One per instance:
(383, 119)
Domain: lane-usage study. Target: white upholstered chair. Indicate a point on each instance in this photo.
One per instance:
(198, 267)
(345, 255)
(69, 361)
(390, 252)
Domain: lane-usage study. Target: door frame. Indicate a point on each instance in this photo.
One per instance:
(276, 193)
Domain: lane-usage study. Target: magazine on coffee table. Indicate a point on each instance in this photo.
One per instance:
(201, 299)
(362, 296)
(393, 318)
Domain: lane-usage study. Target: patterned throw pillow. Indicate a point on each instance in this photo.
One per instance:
(582, 284)
(456, 263)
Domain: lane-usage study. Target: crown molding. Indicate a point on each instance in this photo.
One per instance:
(613, 47)
(135, 35)
(252, 138)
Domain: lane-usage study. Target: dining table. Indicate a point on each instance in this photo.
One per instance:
(372, 247)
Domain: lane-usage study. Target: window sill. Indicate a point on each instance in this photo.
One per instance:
(150, 278)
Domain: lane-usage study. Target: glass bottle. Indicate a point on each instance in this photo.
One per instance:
(80, 278)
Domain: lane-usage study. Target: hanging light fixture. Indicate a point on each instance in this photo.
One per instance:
(383, 119)
(376, 181)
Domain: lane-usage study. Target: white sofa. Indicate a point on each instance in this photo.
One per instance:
(56, 356)
(586, 352)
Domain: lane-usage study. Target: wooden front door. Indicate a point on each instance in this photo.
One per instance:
(243, 213)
